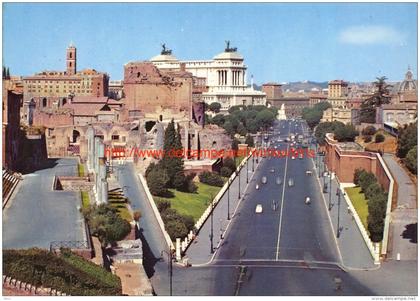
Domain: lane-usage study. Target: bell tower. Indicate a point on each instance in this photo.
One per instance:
(71, 60)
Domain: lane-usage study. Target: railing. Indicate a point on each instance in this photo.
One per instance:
(70, 244)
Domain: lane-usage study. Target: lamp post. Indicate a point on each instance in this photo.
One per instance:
(238, 174)
(211, 227)
(228, 197)
(253, 162)
(329, 196)
(338, 215)
(169, 268)
(247, 180)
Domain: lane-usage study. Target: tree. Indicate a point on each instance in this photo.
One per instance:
(377, 210)
(225, 171)
(366, 179)
(373, 189)
(380, 97)
(219, 120)
(157, 180)
(411, 160)
(407, 139)
(172, 160)
(379, 138)
(369, 131)
(265, 118)
(367, 139)
(241, 129)
(249, 140)
(229, 163)
(313, 115)
(215, 107)
(346, 133)
(357, 173)
(326, 127)
(235, 144)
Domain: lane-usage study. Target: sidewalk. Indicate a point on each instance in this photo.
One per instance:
(354, 252)
(198, 252)
(404, 217)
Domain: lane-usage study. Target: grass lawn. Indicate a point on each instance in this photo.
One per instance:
(81, 170)
(359, 202)
(85, 199)
(192, 204)
(121, 208)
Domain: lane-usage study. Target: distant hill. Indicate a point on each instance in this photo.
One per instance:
(307, 86)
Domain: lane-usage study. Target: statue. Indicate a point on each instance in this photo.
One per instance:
(228, 49)
(165, 51)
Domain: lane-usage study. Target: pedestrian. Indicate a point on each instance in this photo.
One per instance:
(348, 209)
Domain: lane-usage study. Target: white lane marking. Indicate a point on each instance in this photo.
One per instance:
(282, 201)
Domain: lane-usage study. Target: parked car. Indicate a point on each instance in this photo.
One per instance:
(264, 180)
(291, 182)
(258, 208)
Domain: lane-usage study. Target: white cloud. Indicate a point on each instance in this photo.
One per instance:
(365, 35)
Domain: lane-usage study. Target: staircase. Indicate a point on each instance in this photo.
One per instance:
(10, 181)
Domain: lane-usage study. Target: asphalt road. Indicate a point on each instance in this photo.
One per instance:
(289, 230)
(37, 215)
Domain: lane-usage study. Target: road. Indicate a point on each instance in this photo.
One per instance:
(37, 214)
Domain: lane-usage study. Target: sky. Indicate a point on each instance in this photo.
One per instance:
(281, 42)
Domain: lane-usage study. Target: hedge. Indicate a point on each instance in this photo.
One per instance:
(68, 273)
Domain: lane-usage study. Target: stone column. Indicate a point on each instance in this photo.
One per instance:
(104, 194)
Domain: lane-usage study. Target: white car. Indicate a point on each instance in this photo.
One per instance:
(309, 172)
(258, 208)
(307, 200)
(264, 180)
(257, 187)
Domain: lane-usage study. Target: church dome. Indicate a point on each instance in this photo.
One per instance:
(408, 84)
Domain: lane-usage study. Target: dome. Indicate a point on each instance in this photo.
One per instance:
(164, 58)
(409, 84)
(231, 55)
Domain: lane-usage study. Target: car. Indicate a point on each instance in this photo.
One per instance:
(258, 208)
(307, 200)
(291, 182)
(325, 189)
(278, 181)
(309, 172)
(257, 187)
(264, 180)
(300, 156)
(272, 170)
(293, 157)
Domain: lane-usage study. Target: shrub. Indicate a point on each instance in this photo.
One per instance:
(407, 139)
(68, 273)
(249, 140)
(162, 205)
(229, 163)
(106, 224)
(157, 180)
(367, 139)
(215, 107)
(211, 178)
(366, 179)
(373, 189)
(225, 171)
(411, 160)
(369, 131)
(379, 138)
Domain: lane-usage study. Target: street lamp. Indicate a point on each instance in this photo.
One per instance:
(247, 180)
(338, 215)
(211, 227)
(228, 193)
(169, 268)
(253, 162)
(329, 196)
(238, 174)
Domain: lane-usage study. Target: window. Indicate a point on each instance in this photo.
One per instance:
(115, 137)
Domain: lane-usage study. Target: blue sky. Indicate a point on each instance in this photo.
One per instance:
(280, 41)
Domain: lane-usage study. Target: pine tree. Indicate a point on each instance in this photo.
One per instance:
(7, 73)
(172, 161)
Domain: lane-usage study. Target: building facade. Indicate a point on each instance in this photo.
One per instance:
(225, 77)
(51, 89)
(337, 93)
